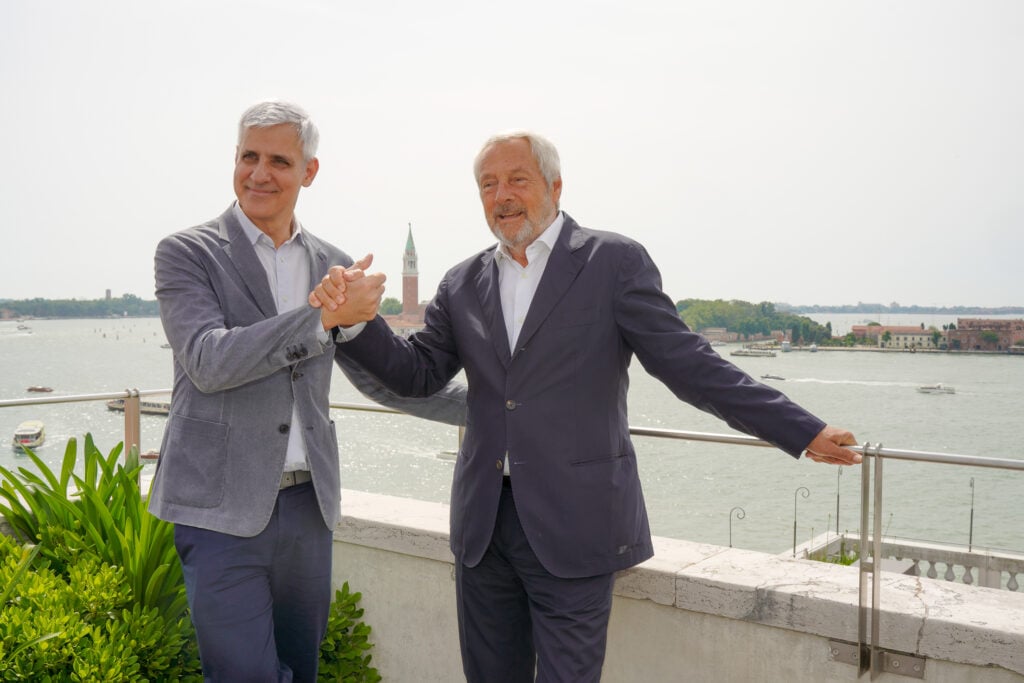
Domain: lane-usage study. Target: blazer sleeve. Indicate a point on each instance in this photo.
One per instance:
(447, 405)
(685, 362)
(219, 336)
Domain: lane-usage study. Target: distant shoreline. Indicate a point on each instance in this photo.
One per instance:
(902, 310)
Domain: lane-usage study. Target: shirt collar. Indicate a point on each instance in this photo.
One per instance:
(548, 238)
(253, 233)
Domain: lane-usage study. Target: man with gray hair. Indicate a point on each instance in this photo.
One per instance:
(546, 503)
(248, 469)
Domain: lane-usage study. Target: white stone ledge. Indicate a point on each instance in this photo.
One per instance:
(930, 618)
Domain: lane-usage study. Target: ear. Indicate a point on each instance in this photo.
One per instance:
(556, 189)
(312, 166)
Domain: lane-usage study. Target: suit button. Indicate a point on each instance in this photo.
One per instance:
(499, 464)
(296, 375)
(283, 429)
(510, 404)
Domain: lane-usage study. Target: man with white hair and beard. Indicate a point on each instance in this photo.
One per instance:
(546, 503)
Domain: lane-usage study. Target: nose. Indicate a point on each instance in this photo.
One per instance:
(261, 172)
(502, 192)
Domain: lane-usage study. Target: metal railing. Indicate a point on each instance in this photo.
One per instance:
(869, 656)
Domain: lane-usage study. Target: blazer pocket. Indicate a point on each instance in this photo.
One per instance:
(575, 317)
(196, 467)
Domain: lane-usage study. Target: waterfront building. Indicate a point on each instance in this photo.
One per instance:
(900, 336)
(986, 334)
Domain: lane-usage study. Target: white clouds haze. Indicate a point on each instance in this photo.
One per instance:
(800, 151)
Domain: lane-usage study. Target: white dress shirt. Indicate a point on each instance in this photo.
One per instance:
(517, 283)
(287, 269)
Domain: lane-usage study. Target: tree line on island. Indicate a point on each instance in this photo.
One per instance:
(749, 320)
(753, 321)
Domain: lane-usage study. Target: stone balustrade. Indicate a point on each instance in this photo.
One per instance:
(938, 561)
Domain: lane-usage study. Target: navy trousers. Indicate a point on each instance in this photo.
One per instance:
(260, 604)
(517, 620)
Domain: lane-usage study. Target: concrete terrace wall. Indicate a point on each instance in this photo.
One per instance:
(694, 612)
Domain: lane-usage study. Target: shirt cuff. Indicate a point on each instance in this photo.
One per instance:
(349, 333)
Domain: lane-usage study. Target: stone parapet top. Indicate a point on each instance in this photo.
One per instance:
(927, 617)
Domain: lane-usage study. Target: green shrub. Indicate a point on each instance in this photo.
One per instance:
(85, 627)
(97, 592)
(101, 513)
(343, 653)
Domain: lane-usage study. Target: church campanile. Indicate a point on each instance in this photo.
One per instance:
(410, 279)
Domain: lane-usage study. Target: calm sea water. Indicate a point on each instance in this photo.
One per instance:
(690, 487)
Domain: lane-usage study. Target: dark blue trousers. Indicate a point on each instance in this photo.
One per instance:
(260, 604)
(517, 620)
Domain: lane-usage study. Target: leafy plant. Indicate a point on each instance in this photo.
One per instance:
(343, 653)
(84, 626)
(98, 592)
(100, 512)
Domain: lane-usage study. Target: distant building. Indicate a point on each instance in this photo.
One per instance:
(411, 318)
(719, 334)
(900, 336)
(980, 334)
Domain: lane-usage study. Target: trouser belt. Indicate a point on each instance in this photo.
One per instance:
(294, 478)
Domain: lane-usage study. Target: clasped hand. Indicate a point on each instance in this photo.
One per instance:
(347, 296)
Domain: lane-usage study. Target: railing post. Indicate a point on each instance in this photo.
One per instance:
(863, 648)
(876, 568)
(132, 421)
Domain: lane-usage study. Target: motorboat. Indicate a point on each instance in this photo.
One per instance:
(39, 389)
(147, 407)
(770, 376)
(29, 434)
(764, 353)
(936, 389)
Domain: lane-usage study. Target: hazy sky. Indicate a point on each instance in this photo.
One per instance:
(808, 152)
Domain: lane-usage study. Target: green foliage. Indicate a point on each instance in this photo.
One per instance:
(98, 593)
(989, 337)
(390, 306)
(343, 654)
(101, 513)
(84, 626)
(115, 307)
(750, 319)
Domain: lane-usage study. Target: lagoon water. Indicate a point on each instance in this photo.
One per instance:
(690, 487)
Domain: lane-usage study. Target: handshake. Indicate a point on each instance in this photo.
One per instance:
(348, 296)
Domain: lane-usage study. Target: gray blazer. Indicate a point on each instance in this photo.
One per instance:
(555, 405)
(238, 368)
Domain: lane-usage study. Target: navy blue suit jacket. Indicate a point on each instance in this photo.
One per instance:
(556, 404)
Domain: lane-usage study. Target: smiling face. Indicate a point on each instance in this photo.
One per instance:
(518, 202)
(269, 172)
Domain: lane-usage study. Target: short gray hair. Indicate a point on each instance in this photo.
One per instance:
(266, 114)
(544, 153)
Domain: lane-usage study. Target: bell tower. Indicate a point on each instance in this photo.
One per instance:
(410, 279)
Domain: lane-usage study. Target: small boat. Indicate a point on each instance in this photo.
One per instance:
(765, 353)
(147, 407)
(39, 389)
(936, 389)
(769, 376)
(29, 434)
(150, 455)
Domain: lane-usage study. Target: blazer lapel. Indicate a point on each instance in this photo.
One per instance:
(489, 292)
(559, 274)
(247, 263)
(317, 259)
